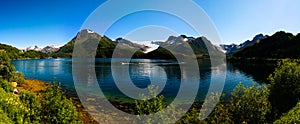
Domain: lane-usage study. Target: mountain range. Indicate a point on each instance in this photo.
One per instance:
(47, 49)
(279, 45)
(14, 53)
(232, 48)
(177, 45)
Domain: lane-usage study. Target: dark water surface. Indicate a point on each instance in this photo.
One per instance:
(140, 69)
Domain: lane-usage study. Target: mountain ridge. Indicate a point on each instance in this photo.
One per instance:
(107, 46)
(232, 48)
(279, 45)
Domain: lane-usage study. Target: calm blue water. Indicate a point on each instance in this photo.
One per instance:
(61, 70)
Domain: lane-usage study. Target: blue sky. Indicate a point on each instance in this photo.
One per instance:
(45, 22)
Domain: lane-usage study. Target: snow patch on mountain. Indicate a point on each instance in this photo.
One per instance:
(46, 49)
(151, 46)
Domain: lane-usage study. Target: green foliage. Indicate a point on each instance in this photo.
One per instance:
(66, 51)
(146, 107)
(56, 108)
(251, 104)
(285, 86)
(292, 117)
(11, 52)
(14, 53)
(18, 77)
(5, 85)
(247, 105)
(14, 108)
(191, 117)
(154, 105)
(32, 103)
(53, 107)
(35, 54)
(4, 119)
(6, 69)
(222, 112)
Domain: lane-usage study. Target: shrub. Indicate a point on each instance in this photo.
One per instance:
(6, 69)
(18, 77)
(4, 119)
(31, 102)
(221, 114)
(148, 107)
(191, 117)
(6, 86)
(285, 86)
(292, 117)
(13, 107)
(251, 104)
(56, 108)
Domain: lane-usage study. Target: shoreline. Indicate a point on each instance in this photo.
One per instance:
(39, 87)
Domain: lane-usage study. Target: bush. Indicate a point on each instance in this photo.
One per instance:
(251, 104)
(13, 107)
(154, 105)
(6, 69)
(18, 77)
(221, 114)
(4, 119)
(246, 105)
(56, 108)
(191, 117)
(285, 86)
(6, 86)
(292, 117)
(31, 102)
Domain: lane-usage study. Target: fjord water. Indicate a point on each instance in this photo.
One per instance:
(60, 70)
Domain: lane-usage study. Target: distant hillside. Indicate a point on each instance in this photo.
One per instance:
(232, 48)
(14, 53)
(105, 47)
(47, 49)
(279, 45)
(179, 46)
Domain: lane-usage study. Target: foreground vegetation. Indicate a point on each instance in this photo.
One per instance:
(277, 102)
(52, 106)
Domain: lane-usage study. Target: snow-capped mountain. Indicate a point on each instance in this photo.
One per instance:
(180, 39)
(234, 47)
(50, 49)
(131, 44)
(36, 48)
(180, 46)
(174, 40)
(47, 49)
